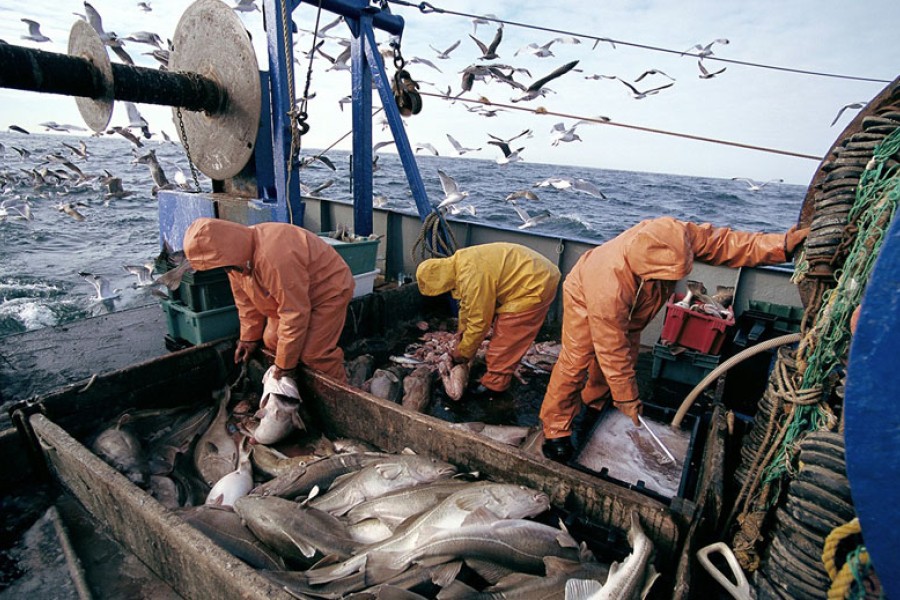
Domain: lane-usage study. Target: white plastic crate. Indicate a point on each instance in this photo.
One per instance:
(365, 283)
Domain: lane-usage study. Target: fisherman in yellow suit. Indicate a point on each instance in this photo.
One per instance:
(505, 286)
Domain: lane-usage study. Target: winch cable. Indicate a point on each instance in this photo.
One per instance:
(297, 116)
(603, 121)
(428, 8)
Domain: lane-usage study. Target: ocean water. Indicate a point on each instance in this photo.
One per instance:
(40, 259)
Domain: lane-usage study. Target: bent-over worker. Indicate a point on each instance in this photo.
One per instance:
(505, 285)
(290, 287)
(613, 292)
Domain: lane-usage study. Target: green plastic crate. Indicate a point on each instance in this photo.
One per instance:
(360, 256)
(200, 327)
(201, 290)
(787, 319)
(688, 366)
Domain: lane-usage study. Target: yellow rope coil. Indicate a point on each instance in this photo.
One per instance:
(842, 585)
(837, 535)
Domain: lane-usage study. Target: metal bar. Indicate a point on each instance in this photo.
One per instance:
(656, 439)
(287, 178)
(51, 73)
(361, 92)
(353, 9)
(404, 150)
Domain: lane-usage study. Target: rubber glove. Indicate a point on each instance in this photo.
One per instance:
(793, 238)
(278, 372)
(244, 350)
(632, 409)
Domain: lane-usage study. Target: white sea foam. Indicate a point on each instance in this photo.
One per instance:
(30, 313)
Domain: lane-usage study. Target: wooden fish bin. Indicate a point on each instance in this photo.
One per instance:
(57, 423)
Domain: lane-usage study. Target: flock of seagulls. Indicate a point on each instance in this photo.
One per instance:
(485, 70)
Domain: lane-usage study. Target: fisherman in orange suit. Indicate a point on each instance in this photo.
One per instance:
(290, 287)
(507, 286)
(613, 292)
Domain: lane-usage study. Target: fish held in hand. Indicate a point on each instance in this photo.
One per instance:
(455, 378)
(278, 418)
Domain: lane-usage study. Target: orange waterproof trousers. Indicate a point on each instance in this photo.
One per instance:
(513, 334)
(321, 350)
(575, 374)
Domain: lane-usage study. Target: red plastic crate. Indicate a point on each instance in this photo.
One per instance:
(693, 329)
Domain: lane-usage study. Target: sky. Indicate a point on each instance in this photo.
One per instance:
(764, 107)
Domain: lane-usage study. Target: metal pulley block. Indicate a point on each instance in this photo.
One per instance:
(406, 94)
(211, 40)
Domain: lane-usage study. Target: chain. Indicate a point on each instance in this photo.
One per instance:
(187, 148)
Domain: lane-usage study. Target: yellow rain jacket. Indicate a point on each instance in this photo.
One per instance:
(293, 275)
(487, 280)
(615, 290)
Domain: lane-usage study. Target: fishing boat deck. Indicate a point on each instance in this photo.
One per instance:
(67, 357)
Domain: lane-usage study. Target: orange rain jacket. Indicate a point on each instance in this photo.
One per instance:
(295, 280)
(489, 279)
(615, 290)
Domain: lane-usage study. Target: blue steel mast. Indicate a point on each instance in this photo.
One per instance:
(363, 18)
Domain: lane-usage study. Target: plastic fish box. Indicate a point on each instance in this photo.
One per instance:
(365, 283)
(201, 290)
(686, 366)
(693, 329)
(199, 327)
(785, 319)
(621, 453)
(360, 256)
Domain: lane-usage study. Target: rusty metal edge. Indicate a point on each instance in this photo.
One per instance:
(182, 556)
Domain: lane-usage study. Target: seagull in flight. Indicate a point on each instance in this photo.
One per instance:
(537, 87)
(526, 194)
(144, 274)
(452, 194)
(543, 51)
(509, 156)
(445, 54)
(853, 106)
(105, 293)
(70, 209)
(427, 146)
(653, 72)
(460, 149)
(570, 184)
(15, 207)
(34, 32)
(483, 21)
(638, 95)
(489, 52)
(704, 74)
(561, 133)
(704, 51)
(144, 6)
(530, 220)
(754, 186)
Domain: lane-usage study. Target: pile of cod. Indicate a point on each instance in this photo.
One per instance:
(337, 519)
